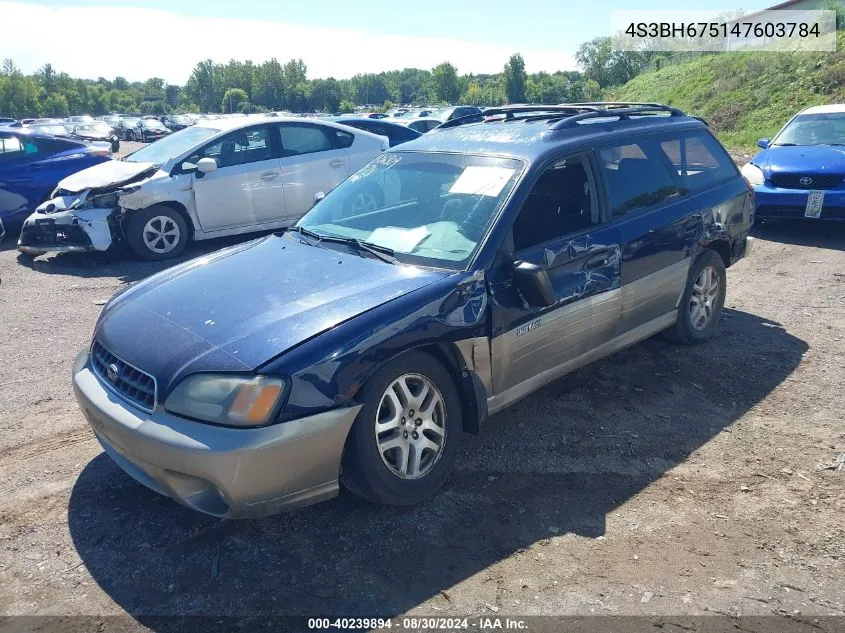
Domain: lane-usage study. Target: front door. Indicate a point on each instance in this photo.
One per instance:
(311, 163)
(561, 228)
(246, 188)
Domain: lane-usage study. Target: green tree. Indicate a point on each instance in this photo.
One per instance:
(232, 99)
(55, 105)
(346, 107)
(514, 78)
(171, 96)
(473, 95)
(269, 87)
(611, 68)
(325, 95)
(445, 83)
(201, 88)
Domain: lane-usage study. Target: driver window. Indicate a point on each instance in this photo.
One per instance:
(238, 148)
(561, 202)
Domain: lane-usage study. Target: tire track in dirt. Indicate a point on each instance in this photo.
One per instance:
(41, 446)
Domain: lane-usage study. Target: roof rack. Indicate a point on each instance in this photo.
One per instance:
(568, 114)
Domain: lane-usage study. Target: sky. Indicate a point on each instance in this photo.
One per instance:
(138, 39)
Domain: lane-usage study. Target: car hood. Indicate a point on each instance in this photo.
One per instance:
(238, 308)
(815, 159)
(107, 174)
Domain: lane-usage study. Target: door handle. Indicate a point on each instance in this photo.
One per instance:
(269, 175)
(337, 162)
(598, 260)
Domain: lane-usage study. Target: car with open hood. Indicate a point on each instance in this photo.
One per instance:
(801, 171)
(216, 178)
(359, 345)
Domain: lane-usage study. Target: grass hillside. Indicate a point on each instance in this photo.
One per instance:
(744, 96)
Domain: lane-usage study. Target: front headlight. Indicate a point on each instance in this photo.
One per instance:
(227, 399)
(753, 174)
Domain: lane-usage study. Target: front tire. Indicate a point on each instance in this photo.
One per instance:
(406, 437)
(702, 302)
(157, 233)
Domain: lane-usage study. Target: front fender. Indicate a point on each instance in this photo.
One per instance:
(331, 369)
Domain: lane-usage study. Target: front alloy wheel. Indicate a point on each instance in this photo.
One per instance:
(406, 437)
(410, 426)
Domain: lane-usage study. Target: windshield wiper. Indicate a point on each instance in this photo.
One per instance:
(302, 232)
(785, 144)
(383, 253)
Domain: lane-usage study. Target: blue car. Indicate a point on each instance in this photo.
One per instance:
(801, 172)
(394, 132)
(359, 345)
(32, 164)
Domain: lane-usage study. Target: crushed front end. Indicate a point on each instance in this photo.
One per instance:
(75, 222)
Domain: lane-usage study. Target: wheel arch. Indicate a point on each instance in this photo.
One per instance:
(178, 207)
(722, 248)
(471, 390)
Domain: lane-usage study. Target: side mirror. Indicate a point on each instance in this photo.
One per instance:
(206, 165)
(534, 284)
(317, 197)
(764, 143)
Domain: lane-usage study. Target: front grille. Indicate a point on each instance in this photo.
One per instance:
(793, 181)
(127, 381)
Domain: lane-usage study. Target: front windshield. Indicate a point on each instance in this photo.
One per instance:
(171, 146)
(97, 128)
(431, 209)
(814, 129)
(130, 122)
(153, 124)
(56, 130)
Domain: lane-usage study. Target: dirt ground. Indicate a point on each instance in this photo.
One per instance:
(662, 481)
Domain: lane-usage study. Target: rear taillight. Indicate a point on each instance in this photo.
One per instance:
(101, 151)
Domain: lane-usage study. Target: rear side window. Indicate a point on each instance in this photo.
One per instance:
(636, 178)
(698, 161)
(10, 149)
(304, 139)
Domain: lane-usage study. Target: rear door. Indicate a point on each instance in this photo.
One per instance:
(25, 175)
(657, 229)
(313, 160)
(246, 187)
(561, 227)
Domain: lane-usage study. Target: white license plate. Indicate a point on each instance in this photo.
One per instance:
(814, 204)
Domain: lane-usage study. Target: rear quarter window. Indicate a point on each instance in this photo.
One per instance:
(699, 161)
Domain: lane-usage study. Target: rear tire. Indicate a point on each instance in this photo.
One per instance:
(157, 233)
(407, 435)
(702, 302)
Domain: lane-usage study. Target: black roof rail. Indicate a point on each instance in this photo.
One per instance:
(621, 110)
(509, 111)
(567, 112)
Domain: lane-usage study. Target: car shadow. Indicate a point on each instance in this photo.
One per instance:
(557, 462)
(802, 233)
(119, 262)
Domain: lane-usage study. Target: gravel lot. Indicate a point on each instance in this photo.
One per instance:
(664, 480)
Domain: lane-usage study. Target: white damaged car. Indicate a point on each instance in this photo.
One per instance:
(220, 177)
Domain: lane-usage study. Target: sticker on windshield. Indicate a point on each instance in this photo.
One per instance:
(400, 240)
(483, 181)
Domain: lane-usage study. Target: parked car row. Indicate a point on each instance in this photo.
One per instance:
(445, 280)
(216, 178)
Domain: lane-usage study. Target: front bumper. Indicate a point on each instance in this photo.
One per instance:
(224, 472)
(65, 230)
(777, 203)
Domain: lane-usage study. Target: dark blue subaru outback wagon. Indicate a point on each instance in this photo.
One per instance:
(358, 345)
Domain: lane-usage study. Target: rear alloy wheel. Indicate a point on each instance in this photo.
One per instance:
(406, 437)
(157, 233)
(701, 304)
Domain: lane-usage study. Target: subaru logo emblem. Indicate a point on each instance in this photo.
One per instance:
(806, 180)
(111, 372)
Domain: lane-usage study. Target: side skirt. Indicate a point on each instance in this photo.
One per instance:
(639, 333)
